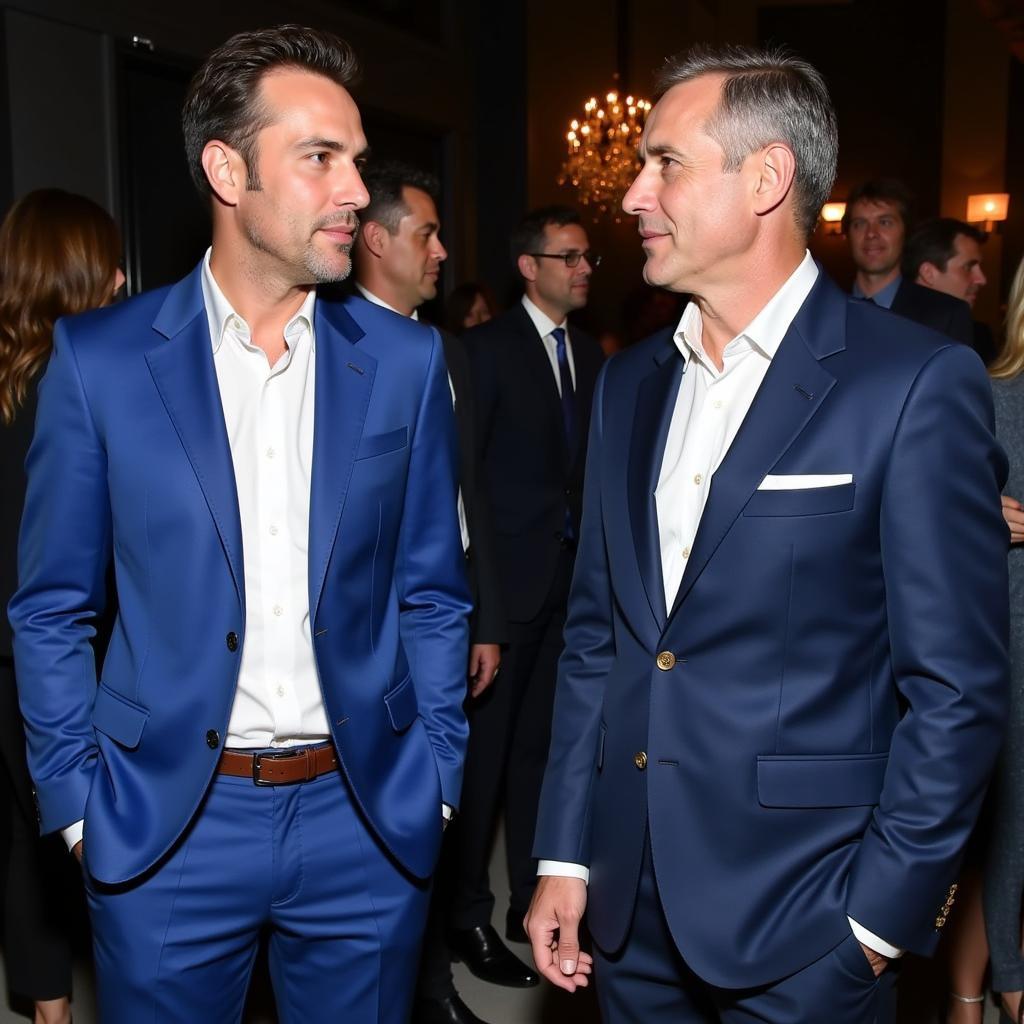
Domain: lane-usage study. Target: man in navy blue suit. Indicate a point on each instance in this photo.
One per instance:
(785, 664)
(277, 729)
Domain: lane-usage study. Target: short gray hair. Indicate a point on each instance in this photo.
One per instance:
(767, 96)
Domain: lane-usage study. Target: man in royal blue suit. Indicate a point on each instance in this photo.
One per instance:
(277, 727)
(785, 664)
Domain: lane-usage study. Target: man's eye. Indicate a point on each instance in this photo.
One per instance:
(319, 158)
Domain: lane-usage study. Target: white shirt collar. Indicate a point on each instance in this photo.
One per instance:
(766, 331)
(544, 324)
(370, 297)
(221, 314)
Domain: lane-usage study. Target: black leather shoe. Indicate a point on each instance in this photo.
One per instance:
(514, 930)
(448, 1010)
(483, 952)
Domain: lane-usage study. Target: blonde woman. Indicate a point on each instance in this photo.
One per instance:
(1004, 876)
(59, 254)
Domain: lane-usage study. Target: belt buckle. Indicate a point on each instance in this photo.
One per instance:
(273, 755)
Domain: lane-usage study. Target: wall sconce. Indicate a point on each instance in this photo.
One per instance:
(988, 208)
(832, 218)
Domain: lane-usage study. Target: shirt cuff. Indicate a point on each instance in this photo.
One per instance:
(563, 869)
(73, 834)
(872, 941)
(447, 812)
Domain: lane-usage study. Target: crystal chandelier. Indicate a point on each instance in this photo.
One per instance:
(602, 161)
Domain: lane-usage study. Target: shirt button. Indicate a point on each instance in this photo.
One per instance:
(278, 610)
(718, 403)
(273, 531)
(280, 691)
(698, 479)
(271, 453)
(686, 552)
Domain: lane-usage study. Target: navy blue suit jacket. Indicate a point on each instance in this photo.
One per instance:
(131, 456)
(820, 742)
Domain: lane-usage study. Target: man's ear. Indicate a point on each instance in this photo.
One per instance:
(375, 236)
(527, 267)
(225, 171)
(927, 274)
(774, 173)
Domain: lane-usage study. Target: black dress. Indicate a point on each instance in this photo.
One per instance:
(39, 880)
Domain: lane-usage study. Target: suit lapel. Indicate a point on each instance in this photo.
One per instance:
(656, 400)
(792, 392)
(344, 380)
(185, 378)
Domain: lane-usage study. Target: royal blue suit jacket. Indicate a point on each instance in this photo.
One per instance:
(819, 744)
(131, 456)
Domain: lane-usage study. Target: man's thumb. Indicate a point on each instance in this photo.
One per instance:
(568, 951)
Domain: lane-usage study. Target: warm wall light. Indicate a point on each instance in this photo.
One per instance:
(988, 208)
(832, 217)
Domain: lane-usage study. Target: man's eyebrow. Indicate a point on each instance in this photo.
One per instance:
(317, 142)
(659, 149)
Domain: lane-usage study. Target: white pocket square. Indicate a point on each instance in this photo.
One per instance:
(796, 482)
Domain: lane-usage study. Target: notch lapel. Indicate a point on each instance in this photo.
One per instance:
(186, 381)
(790, 394)
(655, 404)
(344, 381)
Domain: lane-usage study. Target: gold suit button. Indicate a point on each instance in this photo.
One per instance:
(640, 760)
(666, 661)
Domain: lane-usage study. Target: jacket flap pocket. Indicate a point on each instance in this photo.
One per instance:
(118, 717)
(381, 444)
(837, 780)
(801, 501)
(401, 704)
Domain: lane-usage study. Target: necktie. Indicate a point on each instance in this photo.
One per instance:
(568, 411)
(568, 395)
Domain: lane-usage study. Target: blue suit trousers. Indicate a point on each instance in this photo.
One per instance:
(345, 922)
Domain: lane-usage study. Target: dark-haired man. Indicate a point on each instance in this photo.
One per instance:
(533, 374)
(944, 254)
(784, 680)
(876, 223)
(279, 720)
(398, 257)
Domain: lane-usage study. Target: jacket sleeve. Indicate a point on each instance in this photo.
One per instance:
(63, 553)
(563, 824)
(943, 548)
(434, 604)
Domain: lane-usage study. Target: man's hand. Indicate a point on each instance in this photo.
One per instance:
(557, 906)
(77, 850)
(877, 961)
(1013, 513)
(484, 660)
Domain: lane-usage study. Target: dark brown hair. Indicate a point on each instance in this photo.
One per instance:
(59, 253)
(223, 100)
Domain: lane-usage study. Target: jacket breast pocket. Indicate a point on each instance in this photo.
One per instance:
(801, 501)
(118, 717)
(380, 444)
(820, 780)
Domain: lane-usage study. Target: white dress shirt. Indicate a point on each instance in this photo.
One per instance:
(545, 325)
(711, 405)
(415, 315)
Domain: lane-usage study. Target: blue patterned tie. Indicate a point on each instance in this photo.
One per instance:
(568, 395)
(568, 412)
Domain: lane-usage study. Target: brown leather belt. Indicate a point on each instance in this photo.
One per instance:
(280, 769)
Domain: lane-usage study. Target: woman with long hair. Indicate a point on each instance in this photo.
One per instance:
(468, 305)
(1004, 873)
(59, 255)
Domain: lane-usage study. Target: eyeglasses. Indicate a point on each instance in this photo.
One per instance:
(572, 257)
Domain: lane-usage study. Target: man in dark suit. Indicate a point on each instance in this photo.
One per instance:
(533, 374)
(278, 723)
(397, 261)
(944, 256)
(785, 671)
(876, 224)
